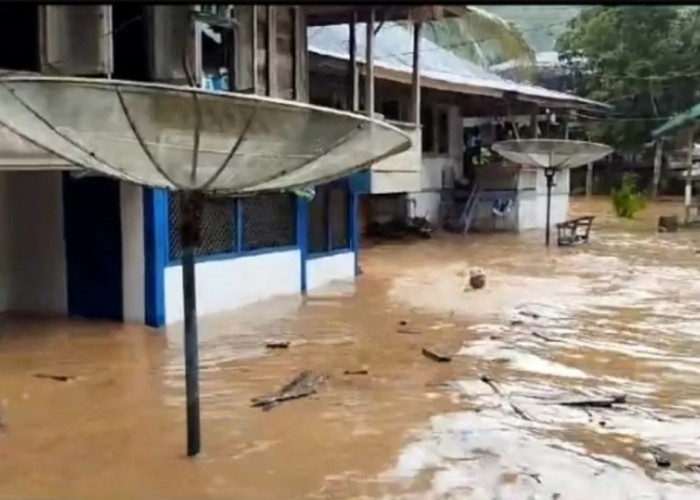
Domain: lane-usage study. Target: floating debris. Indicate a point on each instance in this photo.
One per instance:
(303, 385)
(59, 378)
(277, 344)
(477, 278)
(544, 337)
(529, 314)
(660, 457)
(361, 371)
(435, 356)
(492, 384)
(607, 402)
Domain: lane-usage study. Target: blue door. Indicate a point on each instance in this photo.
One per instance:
(92, 229)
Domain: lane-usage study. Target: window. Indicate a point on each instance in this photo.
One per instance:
(329, 219)
(231, 225)
(269, 221)
(218, 226)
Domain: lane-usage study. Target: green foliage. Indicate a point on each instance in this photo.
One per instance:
(644, 60)
(627, 200)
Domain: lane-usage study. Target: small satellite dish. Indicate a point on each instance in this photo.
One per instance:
(551, 155)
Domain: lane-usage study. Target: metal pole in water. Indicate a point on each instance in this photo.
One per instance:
(189, 233)
(549, 174)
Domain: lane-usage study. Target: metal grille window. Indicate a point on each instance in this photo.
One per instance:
(329, 220)
(318, 222)
(218, 229)
(269, 221)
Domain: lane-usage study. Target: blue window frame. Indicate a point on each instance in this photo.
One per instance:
(329, 226)
(232, 227)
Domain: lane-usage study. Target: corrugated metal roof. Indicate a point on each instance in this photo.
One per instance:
(393, 48)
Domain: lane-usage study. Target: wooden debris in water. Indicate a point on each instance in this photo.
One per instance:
(303, 385)
(436, 356)
(606, 402)
(277, 344)
(58, 378)
(661, 459)
(360, 371)
(492, 384)
(529, 314)
(544, 337)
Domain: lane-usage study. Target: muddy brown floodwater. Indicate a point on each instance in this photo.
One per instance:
(620, 315)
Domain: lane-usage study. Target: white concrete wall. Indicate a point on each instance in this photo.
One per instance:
(532, 204)
(321, 271)
(133, 252)
(223, 285)
(428, 199)
(32, 251)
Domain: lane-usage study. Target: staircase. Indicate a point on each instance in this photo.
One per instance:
(463, 208)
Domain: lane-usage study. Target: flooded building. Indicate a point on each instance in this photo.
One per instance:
(456, 99)
(93, 247)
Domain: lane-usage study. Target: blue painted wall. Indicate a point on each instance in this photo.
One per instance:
(155, 217)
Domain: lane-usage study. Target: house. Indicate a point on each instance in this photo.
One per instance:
(456, 95)
(88, 246)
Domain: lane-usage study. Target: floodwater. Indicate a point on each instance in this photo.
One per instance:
(616, 316)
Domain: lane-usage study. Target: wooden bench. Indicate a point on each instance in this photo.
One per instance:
(574, 231)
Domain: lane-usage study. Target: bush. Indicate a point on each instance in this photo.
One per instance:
(627, 200)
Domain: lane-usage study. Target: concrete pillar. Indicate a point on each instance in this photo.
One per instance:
(533, 123)
(354, 79)
(369, 65)
(589, 179)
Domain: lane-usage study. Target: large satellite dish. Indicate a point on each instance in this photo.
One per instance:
(551, 155)
(149, 133)
(196, 141)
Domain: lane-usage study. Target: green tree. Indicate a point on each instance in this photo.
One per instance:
(643, 60)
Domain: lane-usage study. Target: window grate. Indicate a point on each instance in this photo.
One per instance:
(269, 221)
(318, 222)
(218, 226)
